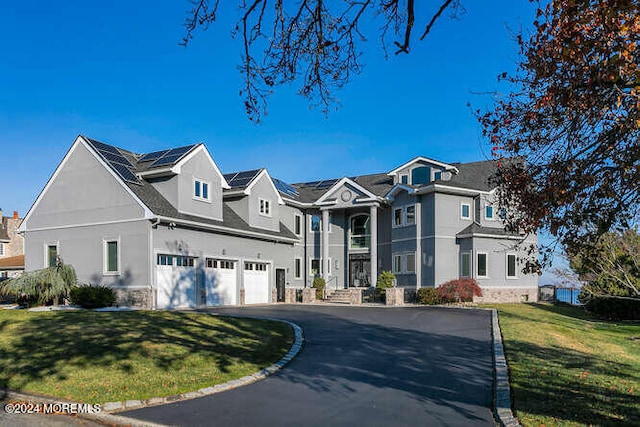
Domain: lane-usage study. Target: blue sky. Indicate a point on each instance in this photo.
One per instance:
(114, 71)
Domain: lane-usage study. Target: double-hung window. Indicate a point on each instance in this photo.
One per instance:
(265, 207)
(411, 214)
(397, 217)
(465, 211)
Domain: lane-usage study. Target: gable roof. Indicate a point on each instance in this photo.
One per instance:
(378, 184)
(340, 183)
(477, 230)
(421, 159)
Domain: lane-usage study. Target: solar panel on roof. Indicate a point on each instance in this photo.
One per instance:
(326, 184)
(125, 173)
(247, 174)
(228, 177)
(153, 156)
(116, 158)
(179, 150)
(172, 156)
(166, 160)
(285, 188)
(104, 147)
(239, 182)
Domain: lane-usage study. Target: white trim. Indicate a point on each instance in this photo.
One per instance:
(493, 213)
(300, 225)
(105, 256)
(48, 243)
(400, 179)
(393, 217)
(486, 265)
(88, 224)
(406, 222)
(233, 231)
(453, 190)
(515, 266)
(396, 189)
(256, 178)
(343, 181)
(394, 270)
(321, 225)
(468, 218)
(301, 273)
(490, 236)
(201, 147)
(319, 274)
(425, 160)
(202, 183)
(266, 203)
(470, 255)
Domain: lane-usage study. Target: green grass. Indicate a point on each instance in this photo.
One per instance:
(568, 369)
(100, 357)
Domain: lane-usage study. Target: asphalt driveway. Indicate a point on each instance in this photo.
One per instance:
(360, 366)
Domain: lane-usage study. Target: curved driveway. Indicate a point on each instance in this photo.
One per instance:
(360, 366)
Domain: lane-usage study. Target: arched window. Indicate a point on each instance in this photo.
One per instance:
(421, 175)
(360, 231)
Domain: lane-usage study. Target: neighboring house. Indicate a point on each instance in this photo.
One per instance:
(168, 229)
(11, 246)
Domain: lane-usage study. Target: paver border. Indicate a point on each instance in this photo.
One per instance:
(109, 408)
(501, 389)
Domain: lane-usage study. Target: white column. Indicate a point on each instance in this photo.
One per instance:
(325, 245)
(373, 225)
(418, 213)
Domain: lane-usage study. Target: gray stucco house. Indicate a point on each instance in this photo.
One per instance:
(168, 229)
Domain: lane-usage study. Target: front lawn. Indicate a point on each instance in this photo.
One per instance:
(98, 357)
(570, 369)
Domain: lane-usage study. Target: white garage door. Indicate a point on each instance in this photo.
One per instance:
(256, 283)
(176, 281)
(221, 282)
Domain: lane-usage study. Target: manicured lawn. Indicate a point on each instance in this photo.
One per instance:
(100, 357)
(569, 369)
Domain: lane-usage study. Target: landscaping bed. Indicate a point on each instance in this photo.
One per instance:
(97, 357)
(570, 369)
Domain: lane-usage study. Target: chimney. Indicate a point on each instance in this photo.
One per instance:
(15, 215)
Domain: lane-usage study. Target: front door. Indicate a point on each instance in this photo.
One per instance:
(359, 272)
(280, 284)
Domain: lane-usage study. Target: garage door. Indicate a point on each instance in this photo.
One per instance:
(221, 282)
(256, 283)
(175, 281)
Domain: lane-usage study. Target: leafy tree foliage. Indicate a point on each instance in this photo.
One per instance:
(612, 267)
(572, 121)
(45, 286)
(315, 42)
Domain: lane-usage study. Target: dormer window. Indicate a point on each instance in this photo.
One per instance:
(201, 190)
(488, 212)
(421, 175)
(404, 179)
(265, 207)
(437, 176)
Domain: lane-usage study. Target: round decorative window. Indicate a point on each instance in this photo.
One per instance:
(345, 196)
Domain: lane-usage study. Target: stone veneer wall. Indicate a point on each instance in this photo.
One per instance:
(498, 295)
(139, 298)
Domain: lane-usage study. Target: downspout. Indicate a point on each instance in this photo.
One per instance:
(154, 289)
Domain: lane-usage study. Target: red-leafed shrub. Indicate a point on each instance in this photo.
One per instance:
(460, 290)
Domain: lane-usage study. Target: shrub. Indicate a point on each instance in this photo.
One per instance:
(614, 308)
(386, 279)
(44, 286)
(319, 284)
(429, 296)
(459, 290)
(87, 296)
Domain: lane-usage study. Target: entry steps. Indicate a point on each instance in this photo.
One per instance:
(339, 296)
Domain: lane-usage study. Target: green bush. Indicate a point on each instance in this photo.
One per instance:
(614, 308)
(429, 296)
(386, 279)
(319, 284)
(87, 296)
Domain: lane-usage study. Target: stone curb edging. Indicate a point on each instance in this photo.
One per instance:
(501, 390)
(108, 408)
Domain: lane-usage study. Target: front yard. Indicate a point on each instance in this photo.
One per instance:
(97, 357)
(569, 369)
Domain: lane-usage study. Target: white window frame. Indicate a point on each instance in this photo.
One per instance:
(394, 265)
(408, 178)
(406, 263)
(486, 264)
(393, 217)
(311, 259)
(105, 256)
(437, 175)
(515, 266)
(468, 205)
(328, 267)
(311, 230)
(202, 182)
(297, 220)
(297, 274)
(493, 212)
(264, 207)
(406, 216)
(468, 254)
(46, 251)
(336, 265)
